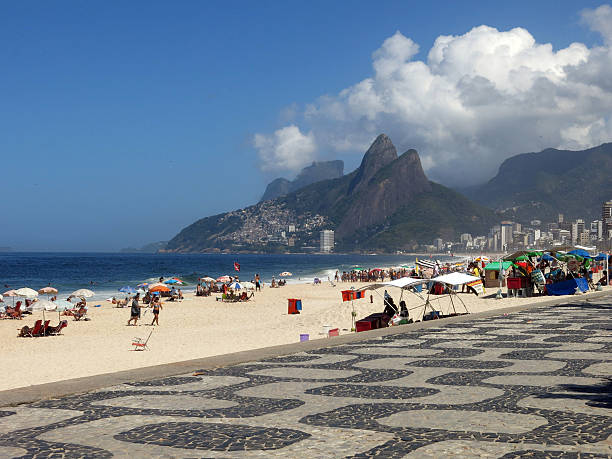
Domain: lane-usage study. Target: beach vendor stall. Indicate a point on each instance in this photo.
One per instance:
(492, 273)
(569, 274)
(525, 274)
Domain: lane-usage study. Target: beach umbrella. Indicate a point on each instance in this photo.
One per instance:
(248, 285)
(140, 291)
(43, 305)
(174, 281)
(285, 274)
(62, 305)
(47, 291)
(235, 285)
(83, 292)
(26, 292)
(12, 294)
(580, 252)
(127, 289)
(600, 257)
(159, 288)
(207, 279)
(223, 279)
(143, 285)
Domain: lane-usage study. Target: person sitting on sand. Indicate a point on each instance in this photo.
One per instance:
(179, 294)
(157, 305)
(135, 312)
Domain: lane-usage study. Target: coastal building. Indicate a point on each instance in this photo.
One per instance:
(327, 241)
(506, 235)
(606, 217)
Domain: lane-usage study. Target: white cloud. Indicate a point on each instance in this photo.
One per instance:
(477, 99)
(287, 148)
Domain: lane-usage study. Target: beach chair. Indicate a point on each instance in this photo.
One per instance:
(80, 313)
(43, 330)
(15, 313)
(139, 344)
(57, 330)
(31, 332)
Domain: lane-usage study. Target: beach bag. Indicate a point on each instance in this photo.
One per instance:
(396, 319)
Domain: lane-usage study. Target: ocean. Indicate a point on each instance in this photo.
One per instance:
(105, 273)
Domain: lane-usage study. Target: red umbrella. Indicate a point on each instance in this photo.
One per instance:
(223, 279)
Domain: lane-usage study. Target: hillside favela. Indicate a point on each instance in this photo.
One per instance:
(318, 229)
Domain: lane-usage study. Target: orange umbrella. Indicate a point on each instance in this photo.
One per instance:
(159, 288)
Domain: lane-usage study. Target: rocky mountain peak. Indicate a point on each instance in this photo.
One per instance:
(381, 152)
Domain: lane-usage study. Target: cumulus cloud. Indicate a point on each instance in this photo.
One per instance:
(287, 149)
(476, 99)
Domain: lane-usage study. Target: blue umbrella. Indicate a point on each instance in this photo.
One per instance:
(171, 281)
(547, 257)
(581, 253)
(600, 257)
(127, 289)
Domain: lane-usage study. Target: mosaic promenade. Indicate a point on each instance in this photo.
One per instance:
(535, 383)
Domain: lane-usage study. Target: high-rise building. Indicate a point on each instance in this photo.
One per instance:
(327, 240)
(506, 235)
(606, 218)
(560, 218)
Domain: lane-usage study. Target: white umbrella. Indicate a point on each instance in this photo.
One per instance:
(1, 298)
(47, 290)
(248, 285)
(43, 305)
(83, 292)
(26, 292)
(207, 279)
(285, 274)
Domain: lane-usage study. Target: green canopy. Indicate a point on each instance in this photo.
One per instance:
(494, 266)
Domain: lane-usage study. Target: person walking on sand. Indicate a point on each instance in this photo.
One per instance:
(135, 312)
(157, 305)
(257, 283)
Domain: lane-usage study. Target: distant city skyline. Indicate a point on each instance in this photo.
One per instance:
(122, 123)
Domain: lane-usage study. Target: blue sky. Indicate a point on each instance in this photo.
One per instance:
(123, 122)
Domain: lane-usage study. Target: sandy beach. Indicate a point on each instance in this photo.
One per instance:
(194, 328)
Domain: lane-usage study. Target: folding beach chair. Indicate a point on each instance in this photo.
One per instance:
(139, 344)
(31, 332)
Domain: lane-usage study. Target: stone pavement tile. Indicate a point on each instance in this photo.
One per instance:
(465, 420)
(25, 417)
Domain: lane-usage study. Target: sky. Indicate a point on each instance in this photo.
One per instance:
(123, 122)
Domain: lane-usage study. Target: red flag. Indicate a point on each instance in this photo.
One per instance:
(236, 266)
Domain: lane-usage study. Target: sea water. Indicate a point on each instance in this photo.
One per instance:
(106, 273)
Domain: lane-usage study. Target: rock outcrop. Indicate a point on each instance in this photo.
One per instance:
(316, 172)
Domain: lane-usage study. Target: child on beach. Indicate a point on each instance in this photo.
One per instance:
(157, 305)
(135, 312)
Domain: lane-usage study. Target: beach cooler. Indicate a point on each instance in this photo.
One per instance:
(333, 332)
(372, 322)
(294, 306)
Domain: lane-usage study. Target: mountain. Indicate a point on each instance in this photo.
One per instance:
(316, 172)
(541, 185)
(386, 204)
